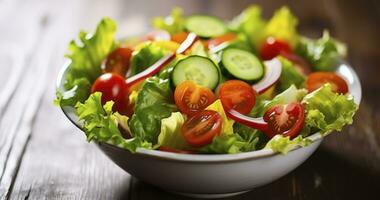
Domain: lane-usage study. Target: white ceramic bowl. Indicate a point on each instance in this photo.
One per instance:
(210, 176)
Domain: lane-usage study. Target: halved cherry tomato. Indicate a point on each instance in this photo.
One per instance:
(172, 150)
(200, 129)
(192, 98)
(273, 47)
(156, 35)
(286, 120)
(113, 87)
(317, 79)
(180, 37)
(237, 95)
(118, 61)
(220, 39)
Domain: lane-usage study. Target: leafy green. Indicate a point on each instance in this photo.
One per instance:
(101, 124)
(327, 111)
(282, 144)
(227, 124)
(154, 102)
(86, 59)
(254, 138)
(283, 25)
(145, 56)
(170, 135)
(289, 75)
(174, 23)
(250, 23)
(323, 53)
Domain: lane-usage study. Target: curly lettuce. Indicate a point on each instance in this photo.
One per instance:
(323, 54)
(327, 111)
(86, 58)
(282, 144)
(101, 124)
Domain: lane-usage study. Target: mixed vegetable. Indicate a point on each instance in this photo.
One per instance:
(198, 84)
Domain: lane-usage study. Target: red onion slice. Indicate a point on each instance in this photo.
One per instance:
(273, 70)
(256, 123)
(187, 43)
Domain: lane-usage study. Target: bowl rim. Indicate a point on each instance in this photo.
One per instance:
(344, 69)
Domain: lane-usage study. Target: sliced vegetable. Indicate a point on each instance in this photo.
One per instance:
(118, 61)
(180, 37)
(113, 88)
(199, 69)
(256, 123)
(242, 64)
(227, 124)
(205, 26)
(285, 119)
(192, 98)
(273, 71)
(237, 95)
(272, 47)
(200, 129)
(318, 79)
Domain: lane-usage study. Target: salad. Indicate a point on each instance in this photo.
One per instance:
(198, 84)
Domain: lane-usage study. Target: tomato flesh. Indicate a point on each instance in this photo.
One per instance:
(273, 47)
(113, 87)
(118, 61)
(237, 95)
(318, 79)
(180, 37)
(191, 98)
(286, 120)
(212, 43)
(200, 129)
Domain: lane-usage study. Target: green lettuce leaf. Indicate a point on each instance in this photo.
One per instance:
(101, 124)
(283, 25)
(145, 56)
(283, 145)
(327, 111)
(289, 75)
(86, 59)
(170, 135)
(154, 103)
(323, 54)
(174, 23)
(250, 23)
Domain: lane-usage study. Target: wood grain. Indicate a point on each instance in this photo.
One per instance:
(43, 156)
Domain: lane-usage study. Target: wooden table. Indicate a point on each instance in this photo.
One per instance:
(43, 156)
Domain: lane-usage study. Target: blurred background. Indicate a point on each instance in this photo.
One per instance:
(43, 156)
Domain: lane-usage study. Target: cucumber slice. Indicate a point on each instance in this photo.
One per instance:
(205, 26)
(242, 64)
(199, 69)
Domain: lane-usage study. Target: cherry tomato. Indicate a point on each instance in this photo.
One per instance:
(172, 150)
(237, 95)
(192, 98)
(300, 64)
(317, 79)
(113, 87)
(219, 40)
(200, 129)
(156, 35)
(118, 61)
(285, 119)
(179, 37)
(273, 47)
